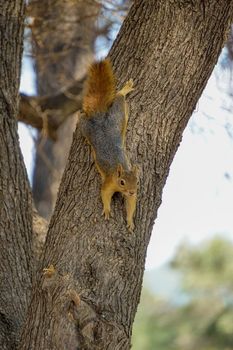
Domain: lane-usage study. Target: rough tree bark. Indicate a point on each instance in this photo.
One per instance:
(15, 196)
(63, 40)
(169, 48)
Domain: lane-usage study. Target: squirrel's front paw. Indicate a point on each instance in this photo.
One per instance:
(106, 213)
(130, 226)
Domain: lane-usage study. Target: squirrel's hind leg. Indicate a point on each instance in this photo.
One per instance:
(127, 88)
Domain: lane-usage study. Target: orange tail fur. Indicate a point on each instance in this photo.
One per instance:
(100, 90)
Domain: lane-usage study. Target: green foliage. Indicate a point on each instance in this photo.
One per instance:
(208, 268)
(206, 321)
(150, 331)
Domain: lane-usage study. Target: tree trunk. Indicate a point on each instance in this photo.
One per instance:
(63, 40)
(169, 48)
(15, 196)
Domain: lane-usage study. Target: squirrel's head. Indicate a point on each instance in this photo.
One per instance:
(126, 181)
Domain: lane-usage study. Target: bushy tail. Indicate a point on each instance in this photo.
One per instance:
(100, 89)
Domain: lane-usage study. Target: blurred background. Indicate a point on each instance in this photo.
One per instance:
(187, 300)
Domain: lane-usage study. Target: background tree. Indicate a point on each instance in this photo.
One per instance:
(204, 321)
(90, 299)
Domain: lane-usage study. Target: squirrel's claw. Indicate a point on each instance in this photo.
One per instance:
(130, 84)
(106, 214)
(128, 87)
(49, 271)
(130, 226)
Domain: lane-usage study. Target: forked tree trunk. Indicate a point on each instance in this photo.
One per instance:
(169, 48)
(15, 196)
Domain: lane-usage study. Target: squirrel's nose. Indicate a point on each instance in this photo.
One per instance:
(131, 193)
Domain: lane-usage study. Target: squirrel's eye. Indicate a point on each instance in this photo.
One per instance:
(122, 182)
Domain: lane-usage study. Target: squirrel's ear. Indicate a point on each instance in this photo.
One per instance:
(119, 170)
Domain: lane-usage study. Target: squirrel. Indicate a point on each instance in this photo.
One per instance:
(103, 123)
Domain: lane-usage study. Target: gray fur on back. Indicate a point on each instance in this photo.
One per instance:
(103, 131)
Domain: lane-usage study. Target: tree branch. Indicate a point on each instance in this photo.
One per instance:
(49, 112)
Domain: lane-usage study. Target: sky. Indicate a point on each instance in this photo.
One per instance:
(197, 201)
